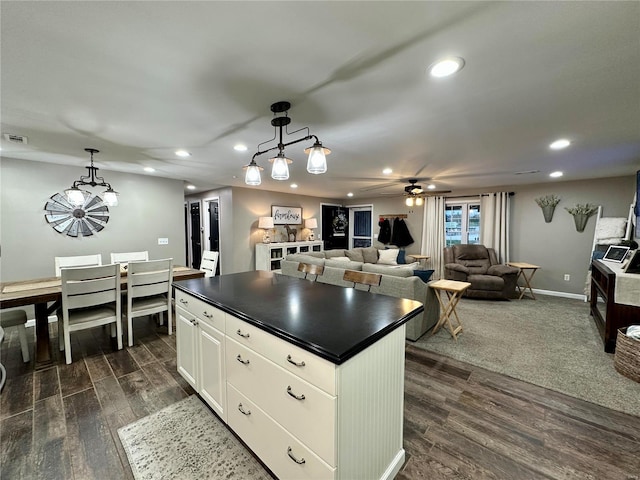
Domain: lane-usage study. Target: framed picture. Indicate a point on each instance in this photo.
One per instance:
(634, 264)
(286, 215)
(616, 253)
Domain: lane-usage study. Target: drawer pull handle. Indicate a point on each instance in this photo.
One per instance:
(243, 411)
(244, 335)
(208, 315)
(291, 456)
(184, 302)
(297, 364)
(297, 397)
(244, 362)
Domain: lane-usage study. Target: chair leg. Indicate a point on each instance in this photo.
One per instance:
(22, 333)
(169, 320)
(119, 333)
(67, 346)
(60, 335)
(130, 326)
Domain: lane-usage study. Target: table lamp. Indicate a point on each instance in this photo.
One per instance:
(266, 223)
(311, 223)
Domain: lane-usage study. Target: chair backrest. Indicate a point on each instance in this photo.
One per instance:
(310, 268)
(209, 263)
(79, 261)
(129, 257)
(90, 286)
(363, 278)
(149, 278)
(477, 258)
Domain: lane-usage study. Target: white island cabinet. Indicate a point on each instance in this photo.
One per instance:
(305, 414)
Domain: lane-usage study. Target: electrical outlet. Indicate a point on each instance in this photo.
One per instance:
(163, 241)
(567, 277)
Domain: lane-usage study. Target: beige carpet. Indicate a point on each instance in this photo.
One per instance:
(551, 342)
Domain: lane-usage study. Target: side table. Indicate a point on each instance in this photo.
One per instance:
(524, 268)
(422, 259)
(454, 291)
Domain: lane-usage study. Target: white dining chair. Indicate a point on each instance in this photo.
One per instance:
(90, 297)
(209, 263)
(129, 257)
(78, 261)
(17, 318)
(148, 291)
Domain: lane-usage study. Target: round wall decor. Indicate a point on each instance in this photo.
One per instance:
(83, 220)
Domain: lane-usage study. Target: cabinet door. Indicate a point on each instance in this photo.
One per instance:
(212, 378)
(186, 346)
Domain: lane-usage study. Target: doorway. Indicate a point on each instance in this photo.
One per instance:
(196, 237)
(212, 227)
(335, 226)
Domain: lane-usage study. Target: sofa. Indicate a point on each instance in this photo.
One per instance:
(479, 266)
(400, 281)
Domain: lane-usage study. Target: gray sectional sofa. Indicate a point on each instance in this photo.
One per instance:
(397, 281)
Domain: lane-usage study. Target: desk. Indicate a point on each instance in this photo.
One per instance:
(524, 268)
(454, 291)
(39, 292)
(422, 259)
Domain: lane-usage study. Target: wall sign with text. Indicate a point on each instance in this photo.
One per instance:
(286, 215)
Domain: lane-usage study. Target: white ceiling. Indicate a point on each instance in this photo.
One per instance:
(137, 80)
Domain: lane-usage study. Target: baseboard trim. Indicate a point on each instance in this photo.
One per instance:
(32, 321)
(553, 293)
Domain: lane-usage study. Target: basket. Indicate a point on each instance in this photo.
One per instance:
(626, 359)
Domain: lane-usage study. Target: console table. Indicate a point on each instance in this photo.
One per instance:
(269, 255)
(607, 313)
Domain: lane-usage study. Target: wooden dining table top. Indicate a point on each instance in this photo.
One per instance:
(41, 290)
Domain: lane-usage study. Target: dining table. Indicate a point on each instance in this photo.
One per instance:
(45, 295)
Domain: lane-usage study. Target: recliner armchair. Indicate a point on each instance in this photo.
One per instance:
(479, 266)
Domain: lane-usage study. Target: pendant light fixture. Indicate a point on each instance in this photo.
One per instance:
(316, 163)
(75, 196)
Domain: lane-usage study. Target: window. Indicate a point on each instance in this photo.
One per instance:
(360, 226)
(462, 223)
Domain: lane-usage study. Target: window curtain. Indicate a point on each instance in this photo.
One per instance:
(494, 223)
(433, 239)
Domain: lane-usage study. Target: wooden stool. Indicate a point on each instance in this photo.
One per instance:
(524, 267)
(454, 292)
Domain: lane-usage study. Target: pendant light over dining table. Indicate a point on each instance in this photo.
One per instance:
(317, 160)
(75, 196)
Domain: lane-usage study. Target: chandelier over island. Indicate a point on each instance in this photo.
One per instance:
(75, 196)
(316, 163)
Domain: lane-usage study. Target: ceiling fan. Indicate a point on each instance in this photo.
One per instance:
(415, 193)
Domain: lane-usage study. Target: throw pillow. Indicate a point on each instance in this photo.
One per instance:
(401, 259)
(388, 257)
(424, 275)
(340, 259)
(370, 254)
(355, 255)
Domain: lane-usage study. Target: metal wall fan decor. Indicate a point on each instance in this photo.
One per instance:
(76, 220)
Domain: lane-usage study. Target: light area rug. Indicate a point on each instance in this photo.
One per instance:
(185, 441)
(551, 341)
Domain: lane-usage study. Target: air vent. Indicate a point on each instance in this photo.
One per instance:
(15, 138)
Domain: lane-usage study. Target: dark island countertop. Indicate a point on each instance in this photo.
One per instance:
(332, 322)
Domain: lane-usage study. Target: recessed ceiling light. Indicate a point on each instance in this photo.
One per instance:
(445, 67)
(560, 144)
(182, 153)
(240, 147)
(349, 194)
(294, 185)
(149, 169)
(555, 174)
(191, 187)
(431, 186)
(387, 171)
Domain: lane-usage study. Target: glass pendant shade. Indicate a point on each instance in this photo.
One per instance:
(317, 162)
(252, 174)
(419, 201)
(409, 202)
(280, 168)
(111, 198)
(74, 196)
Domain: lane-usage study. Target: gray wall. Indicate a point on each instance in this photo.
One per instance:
(149, 208)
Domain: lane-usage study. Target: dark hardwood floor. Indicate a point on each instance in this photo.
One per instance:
(460, 421)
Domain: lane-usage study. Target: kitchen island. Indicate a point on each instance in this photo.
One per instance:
(310, 376)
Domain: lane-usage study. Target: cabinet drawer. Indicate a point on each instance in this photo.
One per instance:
(272, 443)
(311, 416)
(296, 360)
(202, 310)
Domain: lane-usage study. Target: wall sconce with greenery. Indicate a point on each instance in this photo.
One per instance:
(581, 214)
(548, 205)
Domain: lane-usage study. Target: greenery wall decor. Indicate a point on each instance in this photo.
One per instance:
(548, 204)
(581, 214)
